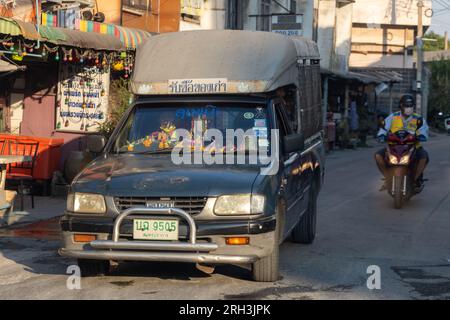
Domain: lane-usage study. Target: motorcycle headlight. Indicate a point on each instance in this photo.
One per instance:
(393, 159)
(86, 203)
(239, 204)
(405, 160)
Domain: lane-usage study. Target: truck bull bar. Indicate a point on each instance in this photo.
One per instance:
(190, 251)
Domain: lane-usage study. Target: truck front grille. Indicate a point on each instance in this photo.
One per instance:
(192, 205)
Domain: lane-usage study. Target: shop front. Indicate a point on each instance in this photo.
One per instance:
(64, 93)
(351, 102)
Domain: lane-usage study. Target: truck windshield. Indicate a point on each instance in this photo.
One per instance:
(155, 128)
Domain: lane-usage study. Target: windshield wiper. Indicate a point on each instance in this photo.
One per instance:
(164, 151)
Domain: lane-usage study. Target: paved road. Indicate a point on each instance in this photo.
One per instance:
(357, 228)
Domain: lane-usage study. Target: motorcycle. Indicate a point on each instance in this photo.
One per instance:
(400, 156)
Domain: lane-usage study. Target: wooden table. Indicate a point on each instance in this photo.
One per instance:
(4, 161)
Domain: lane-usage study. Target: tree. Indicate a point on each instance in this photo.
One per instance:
(434, 45)
(119, 102)
(439, 98)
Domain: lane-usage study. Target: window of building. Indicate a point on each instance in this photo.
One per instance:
(234, 14)
(264, 19)
(145, 5)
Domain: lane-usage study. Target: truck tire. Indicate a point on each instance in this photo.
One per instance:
(93, 268)
(305, 230)
(267, 269)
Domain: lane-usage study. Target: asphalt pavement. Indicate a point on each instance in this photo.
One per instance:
(358, 231)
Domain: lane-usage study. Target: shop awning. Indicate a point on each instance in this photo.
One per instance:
(365, 76)
(349, 76)
(10, 27)
(381, 75)
(113, 38)
(7, 67)
(129, 37)
(75, 38)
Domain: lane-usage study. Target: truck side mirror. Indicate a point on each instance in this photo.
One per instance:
(294, 143)
(96, 143)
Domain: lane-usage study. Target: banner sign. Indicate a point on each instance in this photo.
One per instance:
(82, 98)
(189, 86)
(288, 25)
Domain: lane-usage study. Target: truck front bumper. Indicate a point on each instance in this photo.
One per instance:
(205, 241)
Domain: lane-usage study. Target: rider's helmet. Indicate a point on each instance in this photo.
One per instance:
(407, 104)
(407, 100)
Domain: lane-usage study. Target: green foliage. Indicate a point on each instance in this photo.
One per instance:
(119, 101)
(439, 98)
(432, 45)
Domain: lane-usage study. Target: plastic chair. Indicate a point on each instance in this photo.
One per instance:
(21, 172)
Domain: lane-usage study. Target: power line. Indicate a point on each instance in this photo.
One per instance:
(443, 4)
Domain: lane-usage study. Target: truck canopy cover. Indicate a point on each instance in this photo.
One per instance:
(228, 61)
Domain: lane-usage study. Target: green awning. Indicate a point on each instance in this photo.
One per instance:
(51, 34)
(9, 26)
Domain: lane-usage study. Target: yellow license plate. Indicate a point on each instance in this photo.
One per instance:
(155, 229)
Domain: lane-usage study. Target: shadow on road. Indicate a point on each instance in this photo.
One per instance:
(35, 247)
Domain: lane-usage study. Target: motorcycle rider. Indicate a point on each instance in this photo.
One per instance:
(412, 122)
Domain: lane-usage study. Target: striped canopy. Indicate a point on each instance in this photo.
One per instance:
(131, 38)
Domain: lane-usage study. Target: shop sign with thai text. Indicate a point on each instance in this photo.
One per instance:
(82, 98)
(197, 86)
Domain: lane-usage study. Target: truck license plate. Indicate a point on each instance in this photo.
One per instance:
(155, 229)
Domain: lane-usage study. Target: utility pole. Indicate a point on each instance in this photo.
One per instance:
(420, 6)
(419, 63)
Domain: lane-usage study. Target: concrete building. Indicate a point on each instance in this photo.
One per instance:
(334, 29)
(328, 22)
(290, 16)
(383, 38)
(149, 15)
(384, 32)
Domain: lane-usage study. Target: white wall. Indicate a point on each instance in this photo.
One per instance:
(306, 7)
(343, 38)
(399, 12)
(16, 112)
(326, 31)
(378, 60)
(213, 17)
(382, 30)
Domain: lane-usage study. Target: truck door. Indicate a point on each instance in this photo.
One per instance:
(292, 175)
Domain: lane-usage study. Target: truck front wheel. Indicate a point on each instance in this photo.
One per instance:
(267, 269)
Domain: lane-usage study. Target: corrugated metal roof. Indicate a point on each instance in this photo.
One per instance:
(89, 40)
(61, 36)
(367, 76)
(10, 27)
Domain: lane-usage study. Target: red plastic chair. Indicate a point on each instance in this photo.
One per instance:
(21, 172)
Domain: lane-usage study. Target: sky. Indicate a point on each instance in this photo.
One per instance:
(440, 22)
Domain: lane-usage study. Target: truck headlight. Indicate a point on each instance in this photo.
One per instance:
(239, 204)
(86, 203)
